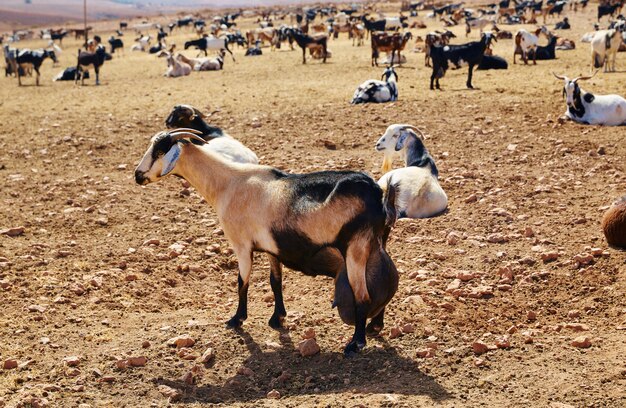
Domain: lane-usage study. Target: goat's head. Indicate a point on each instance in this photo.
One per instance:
(571, 90)
(182, 116)
(163, 153)
(388, 73)
(52, 55)
(488, 37)
(389, 142)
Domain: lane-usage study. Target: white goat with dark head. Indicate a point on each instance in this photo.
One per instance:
(418, 194)
(331, 223)
(376, 91)
(587, 108)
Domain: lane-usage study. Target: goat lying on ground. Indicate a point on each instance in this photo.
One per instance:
(331, 223)
(186, 116)
(419, 194)
(175, 68)
(584, 107)
(70, 74)
(378, 91)
(546, 52)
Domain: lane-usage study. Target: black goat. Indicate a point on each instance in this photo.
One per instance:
(27, 59)
(607, 10)
(123, 25)
(544, 52)
(87, 60)
(492, 62)
(305, 41)
(116, 43)
(156, 48)
(161, 34)
(58, 36)
(557, 9)
(563, 25)
(70, 74)
(205, 43)
(371, 25)
(471, 54)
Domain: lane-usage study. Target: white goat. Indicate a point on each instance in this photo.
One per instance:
(142, 44)
(604, 46)
(175, 68)
(186, 116)
(419, 194)
(525, 42)
(584, 107)
(211, 64)
(378, 91)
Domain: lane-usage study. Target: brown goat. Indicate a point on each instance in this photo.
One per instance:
(381, 41)
(614, 224)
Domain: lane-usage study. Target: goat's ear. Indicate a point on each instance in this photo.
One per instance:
(196, 112)
(169, 159)
(401, 140)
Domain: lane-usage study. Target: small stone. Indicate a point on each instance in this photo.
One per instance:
(528, 232)
(572, 314)
(395, 332)
(479, 347)
(188, 378)
(308, 347)
(13, 232)
(531, 316)
(582, 342)
(152, 241)
(408, 328)
(9, 364)
(243, 370)
(107, 379)
(102, 221)
(425, 352)
(479, 362)
(549, 256)
(172, 393)
(137, 361)
(72, 361)
(273, 394)
(453, 238)
(465, 276)
(145, 344)
(472, 198)
(497, 238)
(181, 341)
(309, 333)
(454, 285)
(503, 343)
(577, 327)
(207, 356)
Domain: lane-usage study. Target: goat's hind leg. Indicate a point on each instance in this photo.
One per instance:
(276, 282)
(356, 263)
(376, 325)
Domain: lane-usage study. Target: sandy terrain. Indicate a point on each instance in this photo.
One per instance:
(84, 280)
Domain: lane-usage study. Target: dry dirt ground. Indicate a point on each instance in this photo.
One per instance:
(84, 280)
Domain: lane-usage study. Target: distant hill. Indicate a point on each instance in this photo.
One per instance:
(18, 14)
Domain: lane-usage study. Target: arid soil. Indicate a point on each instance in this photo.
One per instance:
(492, 293)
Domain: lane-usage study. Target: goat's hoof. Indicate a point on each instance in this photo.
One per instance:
(353, 348)
(235, 322)
(276, 321)
(373, 330)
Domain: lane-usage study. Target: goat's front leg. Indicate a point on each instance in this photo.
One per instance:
(276, 282)
(244, 257)
(469, 77)
(358, 338)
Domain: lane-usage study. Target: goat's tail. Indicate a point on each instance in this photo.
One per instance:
(389, 207)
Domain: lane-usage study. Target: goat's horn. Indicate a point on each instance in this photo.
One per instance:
(423, 137)
(188, 130)
(584, 77)
(558, 76)
(183, 135)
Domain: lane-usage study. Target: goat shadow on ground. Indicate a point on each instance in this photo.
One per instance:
(376, 370)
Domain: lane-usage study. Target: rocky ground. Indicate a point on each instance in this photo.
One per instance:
(116, 295)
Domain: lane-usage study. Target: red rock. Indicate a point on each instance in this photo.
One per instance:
(408, 328)
(503, 342)
(577, 326)
(137, 361)
(308, 347)
(145, 344)
(454, 285)
(107, 379)
(273, 394)
(453, 238)
(13, 232)
(465, 276)
(188, 378)
(207, 356)
(549, 256)
(121, 364)
(9, 364)
(531, 316)
(479, 347)
(152, 241)
(181, 341)
(582, 342)
(528, 232)
(172, 393)
(72, 361)
(497, 238)
(573, 314)
(425, 353)
(243, 370)
(309, 333)
(472, 198)
(395, 332)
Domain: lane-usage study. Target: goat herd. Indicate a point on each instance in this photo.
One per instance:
(336, 223)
